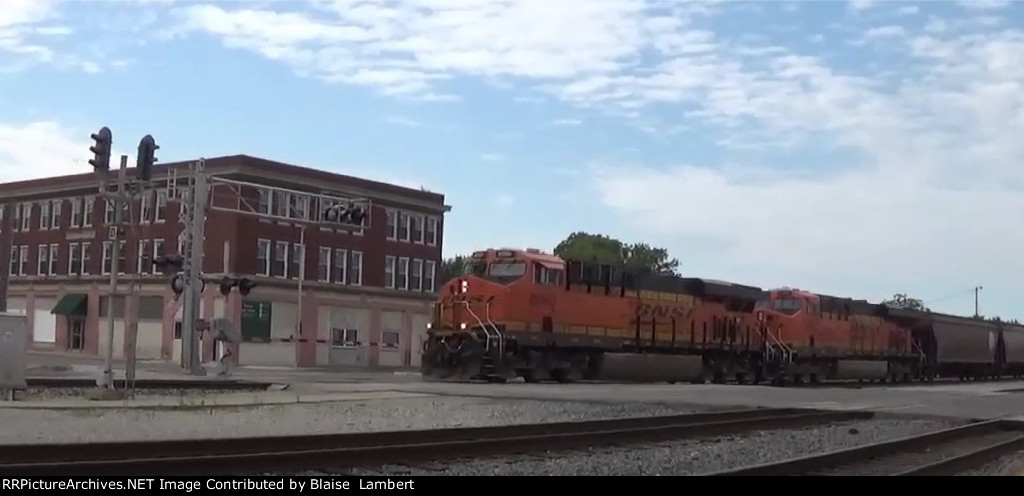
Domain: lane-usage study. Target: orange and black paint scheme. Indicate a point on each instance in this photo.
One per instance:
(524, 313)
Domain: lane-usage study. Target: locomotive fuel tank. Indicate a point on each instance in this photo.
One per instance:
(637, 367)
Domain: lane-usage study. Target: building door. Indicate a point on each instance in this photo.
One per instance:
(76, 334)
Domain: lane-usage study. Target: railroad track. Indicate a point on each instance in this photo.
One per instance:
(280, 454)
(944, 452)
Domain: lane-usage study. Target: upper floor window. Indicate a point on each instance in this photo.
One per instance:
(44, 215)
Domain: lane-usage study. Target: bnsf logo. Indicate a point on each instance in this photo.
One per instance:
(659, 311)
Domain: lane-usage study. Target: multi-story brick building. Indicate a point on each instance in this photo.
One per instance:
(366, 290)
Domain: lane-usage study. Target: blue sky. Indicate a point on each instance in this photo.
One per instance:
(852, 148)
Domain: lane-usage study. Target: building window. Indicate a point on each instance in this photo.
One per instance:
(158, 251)
(74, 259)
(266, 201)
(280, 267)
(23, 265)
(108, 212)
(416, 275)
(340, 265)
(389, 272)
(299, 206)
(44, 215)
(416, 227)
(297, 269)
(43, 266)
(323, 265)
(76, 212)
(55, 214)
(17, 217)
(26, 216)
(143, 257)
(403, 226)
(86, 256)
(54, 258)
(430, 233)
(281, 204)
(160, 209)
(392, 233)
(263, 257)
(389, 339)
(122, 257)
(107, 258)
(345, 337)
(356, 269)
(15, 262)
(146, 207)
(429, 274)
(88, 212)
(402, 279)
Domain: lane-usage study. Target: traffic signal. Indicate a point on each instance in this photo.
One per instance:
(101, 150)
(344, 214)
(147, 157)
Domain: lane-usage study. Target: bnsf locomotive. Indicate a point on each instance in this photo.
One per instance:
(533, 315)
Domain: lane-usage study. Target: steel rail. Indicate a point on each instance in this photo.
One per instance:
(943, 452)
(282, 453)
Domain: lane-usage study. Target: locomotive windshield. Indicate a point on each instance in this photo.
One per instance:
(507, 269)
(783, 305)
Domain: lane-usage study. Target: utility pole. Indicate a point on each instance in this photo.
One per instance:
(118, 201)
(6, 250)
(192, 273)
(976, 289)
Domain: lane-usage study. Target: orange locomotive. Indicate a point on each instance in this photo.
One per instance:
(536, 316)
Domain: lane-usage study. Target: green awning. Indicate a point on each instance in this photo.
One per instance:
(71, 305)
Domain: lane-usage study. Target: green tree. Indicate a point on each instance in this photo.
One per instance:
(587, 247)
(451, 268)
(900, 300)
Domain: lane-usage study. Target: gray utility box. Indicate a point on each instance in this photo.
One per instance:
(13, 335)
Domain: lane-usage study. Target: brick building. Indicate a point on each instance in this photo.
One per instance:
(365, 296)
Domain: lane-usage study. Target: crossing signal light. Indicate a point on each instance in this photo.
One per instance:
(101, 149)
(245, 286)
(226, 284)
(147, 157)
(170, 263)
(345, 214)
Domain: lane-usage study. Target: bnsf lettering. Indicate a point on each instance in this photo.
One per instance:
(542, 300)
(660, 312)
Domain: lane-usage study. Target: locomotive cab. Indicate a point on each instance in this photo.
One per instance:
(786, 303)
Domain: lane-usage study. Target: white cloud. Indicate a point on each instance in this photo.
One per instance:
(492, 157)
(41, 149)
(408, 46)
(567, 122)
(17, 20)
(401, 121)
(928, 195)
(984, 4)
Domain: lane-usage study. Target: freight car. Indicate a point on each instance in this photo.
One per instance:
(532, 315)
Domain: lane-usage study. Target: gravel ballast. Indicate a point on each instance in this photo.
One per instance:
(683, 457)
(1003, 466)
(80, 425)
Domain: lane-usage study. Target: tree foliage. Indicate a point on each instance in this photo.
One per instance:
(901, 300)
(451, 268)
(641, 257)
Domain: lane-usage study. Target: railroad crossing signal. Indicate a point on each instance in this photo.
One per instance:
(341, 213)
(244, 285)
(101, 150)
(147, 157)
